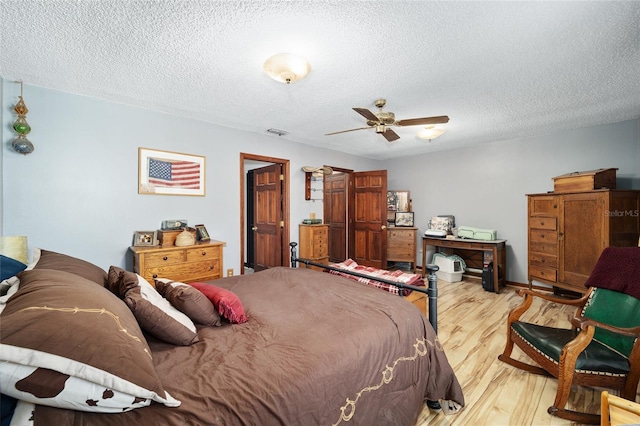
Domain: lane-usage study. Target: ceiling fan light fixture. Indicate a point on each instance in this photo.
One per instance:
(286, 67)
(430, 132)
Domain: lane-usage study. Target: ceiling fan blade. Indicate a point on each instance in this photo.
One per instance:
(366, 114)
(345, 131)
(390, 135)
(423, 121)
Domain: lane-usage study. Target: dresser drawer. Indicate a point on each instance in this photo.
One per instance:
(185, 272)
(546, 274)
(164, 258)
(321, 250)
(545, 205)
(543, 236)
(203, 253)
(550, 223)
(401, 235)
(320, 232)
(543, 248)
(543, 260)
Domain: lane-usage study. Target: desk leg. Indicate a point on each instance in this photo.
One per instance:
(496, 270)
(424, 258)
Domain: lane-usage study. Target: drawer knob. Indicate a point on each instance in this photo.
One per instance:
(211, 268)
(165, 258)
(155, 276)
(204, 253)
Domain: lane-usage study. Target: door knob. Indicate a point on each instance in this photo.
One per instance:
(383, 227)
(254, 228)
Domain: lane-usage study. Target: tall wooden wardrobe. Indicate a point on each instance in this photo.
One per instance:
(568, 231)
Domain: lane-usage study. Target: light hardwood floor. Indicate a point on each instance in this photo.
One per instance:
(472, 329)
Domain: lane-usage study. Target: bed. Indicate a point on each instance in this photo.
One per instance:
(313, 348)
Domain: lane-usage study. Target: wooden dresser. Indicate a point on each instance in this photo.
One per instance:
(401, 245)
(314, 244)
(568, 231)
(200, 262)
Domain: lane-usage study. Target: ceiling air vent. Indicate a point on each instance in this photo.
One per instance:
(278, 132)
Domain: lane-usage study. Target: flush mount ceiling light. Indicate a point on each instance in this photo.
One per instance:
(430, 132)
(286, 67)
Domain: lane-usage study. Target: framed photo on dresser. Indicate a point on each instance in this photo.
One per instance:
(203, 235)
(404, 218)
(145, 238)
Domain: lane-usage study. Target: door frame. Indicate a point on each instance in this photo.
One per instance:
(286, 261)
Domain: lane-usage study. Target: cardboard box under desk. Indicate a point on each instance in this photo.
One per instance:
(585, 181)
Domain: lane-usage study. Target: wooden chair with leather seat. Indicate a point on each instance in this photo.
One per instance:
(602, 348)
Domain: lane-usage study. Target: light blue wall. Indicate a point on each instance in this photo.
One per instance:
(77, 193)
(485, 186)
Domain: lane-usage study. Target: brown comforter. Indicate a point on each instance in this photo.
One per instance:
(317, 350)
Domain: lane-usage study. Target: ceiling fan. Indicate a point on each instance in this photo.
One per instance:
(382, 120)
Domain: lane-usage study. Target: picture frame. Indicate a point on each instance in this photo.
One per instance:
(170, 173)
(202, 233)
(404, 219)
(145, 238)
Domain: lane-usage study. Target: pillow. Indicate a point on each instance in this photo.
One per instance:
(226, 302)
(45, 259)
(10, 267)
(154, 313)
(189, 301)
(68, 343)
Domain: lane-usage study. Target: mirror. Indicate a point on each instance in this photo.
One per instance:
(397, 201)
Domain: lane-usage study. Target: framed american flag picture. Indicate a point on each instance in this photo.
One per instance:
(170, 173)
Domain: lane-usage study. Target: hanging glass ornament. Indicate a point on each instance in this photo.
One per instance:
(21, 144)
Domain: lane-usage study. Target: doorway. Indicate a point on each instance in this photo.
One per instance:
(264, 211)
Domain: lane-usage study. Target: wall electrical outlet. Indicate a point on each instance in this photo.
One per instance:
(229, 272)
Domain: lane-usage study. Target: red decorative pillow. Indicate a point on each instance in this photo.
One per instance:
(226, 302)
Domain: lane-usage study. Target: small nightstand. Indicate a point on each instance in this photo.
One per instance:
(314, 244)
(401, 245)
(200, 262)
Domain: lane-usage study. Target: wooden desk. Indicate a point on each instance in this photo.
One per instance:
(496, 248)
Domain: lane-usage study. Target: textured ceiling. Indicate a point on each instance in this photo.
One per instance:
(499, 70)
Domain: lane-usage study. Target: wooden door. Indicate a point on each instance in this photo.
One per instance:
(267, 217)
(335, 214)
(250, 224)
(369, 246)
(583, 236)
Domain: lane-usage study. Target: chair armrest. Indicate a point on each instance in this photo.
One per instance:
(582, 323)
(571, 302)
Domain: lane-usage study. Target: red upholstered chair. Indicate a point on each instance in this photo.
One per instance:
(602, 348)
